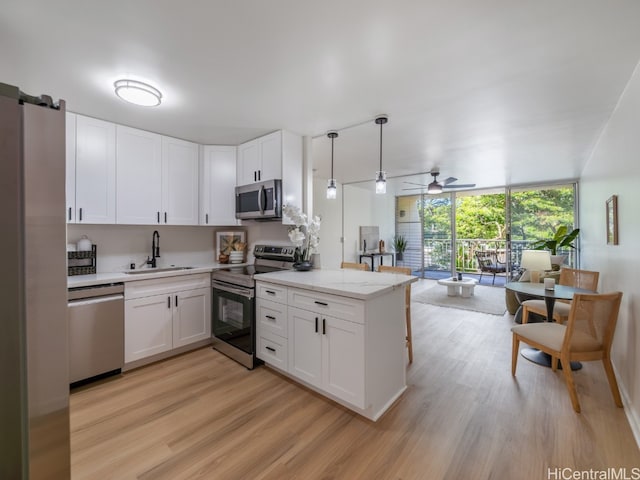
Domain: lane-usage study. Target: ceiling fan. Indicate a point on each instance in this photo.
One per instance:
(435, 187)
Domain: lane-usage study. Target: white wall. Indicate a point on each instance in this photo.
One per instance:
(330, 211)
(120, 245)
(614, 168)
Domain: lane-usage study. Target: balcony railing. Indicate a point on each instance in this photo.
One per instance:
(437, 253)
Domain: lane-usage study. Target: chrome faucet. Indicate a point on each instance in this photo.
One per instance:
(155, 249)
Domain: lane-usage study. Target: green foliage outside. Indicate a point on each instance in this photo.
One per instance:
(535, 215)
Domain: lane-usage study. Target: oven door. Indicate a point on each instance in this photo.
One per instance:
(233, 324)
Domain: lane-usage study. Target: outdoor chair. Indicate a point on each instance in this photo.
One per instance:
(488, 263)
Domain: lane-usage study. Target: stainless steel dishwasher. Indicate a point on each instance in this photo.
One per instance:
(96, 331)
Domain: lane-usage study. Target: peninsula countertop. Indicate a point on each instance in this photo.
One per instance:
(347, 283)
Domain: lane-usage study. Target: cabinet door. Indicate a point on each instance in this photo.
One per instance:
(139, 176)
(270, 156)
(191, 317)
(217, 186)
(147, 326)
(70, 186)
(343, 360)
(248, 163)
(179, 182)
(305, 346)
(95, 171)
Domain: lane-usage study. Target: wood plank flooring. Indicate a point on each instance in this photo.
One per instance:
(203, 416)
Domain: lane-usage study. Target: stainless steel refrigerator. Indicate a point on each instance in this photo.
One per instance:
(34, 390)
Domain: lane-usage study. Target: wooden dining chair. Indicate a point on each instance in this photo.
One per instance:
(355, 266)
(587, 336)
(407, 301)
(570, 277)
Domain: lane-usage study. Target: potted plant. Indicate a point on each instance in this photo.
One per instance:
(399, 245)
(561, 239)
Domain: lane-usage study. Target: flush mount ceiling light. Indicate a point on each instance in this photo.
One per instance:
(138, 93)
(331, 184)
(381, 176)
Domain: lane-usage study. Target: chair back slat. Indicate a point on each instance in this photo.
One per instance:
(355, 266)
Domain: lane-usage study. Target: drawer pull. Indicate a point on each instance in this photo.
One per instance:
(321, 303)
(270, 292)
(271, 349)
(270, 317)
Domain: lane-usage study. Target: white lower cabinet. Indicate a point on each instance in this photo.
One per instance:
(300, 332)
(328, 353)
(166, 313)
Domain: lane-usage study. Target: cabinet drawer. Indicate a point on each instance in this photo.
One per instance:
(268, 291)
(271, 317)
(273, 350)
(158, 286)
(340, 307)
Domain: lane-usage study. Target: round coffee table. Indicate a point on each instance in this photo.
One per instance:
(455, 287)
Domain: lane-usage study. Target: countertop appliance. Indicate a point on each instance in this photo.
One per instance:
(96, 331)
(233, 313)
(259, 201)
(34, 366)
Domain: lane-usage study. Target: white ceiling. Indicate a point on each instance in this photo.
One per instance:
(495, 92)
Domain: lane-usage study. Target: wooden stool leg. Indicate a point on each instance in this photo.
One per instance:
(408, 319)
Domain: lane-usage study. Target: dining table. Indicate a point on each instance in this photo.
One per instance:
(526, 290)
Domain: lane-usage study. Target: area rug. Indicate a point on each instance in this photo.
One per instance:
(485, 299)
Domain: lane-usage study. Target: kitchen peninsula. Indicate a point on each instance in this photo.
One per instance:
(338, 332)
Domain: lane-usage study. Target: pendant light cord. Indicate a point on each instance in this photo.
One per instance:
(332, 138)
(381, 146)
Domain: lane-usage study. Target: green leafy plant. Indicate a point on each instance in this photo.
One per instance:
(561, 239)
(399, 244)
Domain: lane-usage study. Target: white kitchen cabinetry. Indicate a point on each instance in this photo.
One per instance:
(272, 325)
(179, 182)
(70, 185)
(260, 159)
(330, 337)
(95, 171)
(157, 179)
(274, 156)
(328, 353)
(217, 185)
(139, 176)
(165, 314)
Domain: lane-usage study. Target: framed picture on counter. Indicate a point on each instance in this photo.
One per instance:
(226, 242)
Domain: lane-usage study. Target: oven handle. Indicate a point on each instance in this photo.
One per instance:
(225, 287)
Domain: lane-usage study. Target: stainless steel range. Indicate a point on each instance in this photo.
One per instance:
(234, 320)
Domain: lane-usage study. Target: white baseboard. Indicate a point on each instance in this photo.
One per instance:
(630, 412)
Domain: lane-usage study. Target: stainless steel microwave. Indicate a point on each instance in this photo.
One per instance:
(259, 201)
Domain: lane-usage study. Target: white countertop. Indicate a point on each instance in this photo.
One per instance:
(117, 277)
(346, 282)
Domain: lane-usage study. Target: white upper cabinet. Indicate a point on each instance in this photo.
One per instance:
(277, 155)
(260, 159)
(179, 182)
(157, 181)
(70, 186)
(217, 185)
(95, 172)
(139, 176)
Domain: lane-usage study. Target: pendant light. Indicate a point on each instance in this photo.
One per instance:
(331, 184)
(381, 176)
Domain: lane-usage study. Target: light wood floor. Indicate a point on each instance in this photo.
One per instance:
(463, 416)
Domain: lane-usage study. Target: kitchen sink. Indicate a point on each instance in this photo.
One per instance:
(156, 270)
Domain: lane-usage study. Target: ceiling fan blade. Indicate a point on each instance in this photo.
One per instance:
(449, 180)
(413, 183)
(461, 185)
(415, 188)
